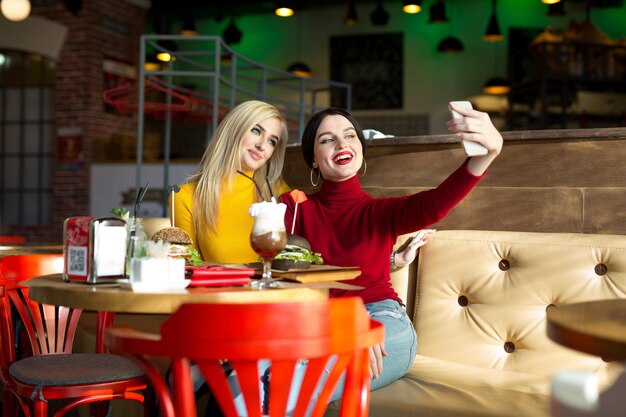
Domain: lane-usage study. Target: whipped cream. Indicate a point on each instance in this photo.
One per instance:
(268, 217)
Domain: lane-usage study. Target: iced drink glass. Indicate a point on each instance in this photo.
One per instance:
(268, 237)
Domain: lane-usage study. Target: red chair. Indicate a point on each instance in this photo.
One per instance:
(53, 372)
(283, 333)
(12, 239)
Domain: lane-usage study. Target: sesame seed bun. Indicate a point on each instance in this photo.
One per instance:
(174, 235)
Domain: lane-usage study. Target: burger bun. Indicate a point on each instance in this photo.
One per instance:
(173, 235)
(286, 264)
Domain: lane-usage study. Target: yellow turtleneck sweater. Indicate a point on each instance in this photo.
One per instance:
(230, 242)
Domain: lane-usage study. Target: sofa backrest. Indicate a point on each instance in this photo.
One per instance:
(481, 296)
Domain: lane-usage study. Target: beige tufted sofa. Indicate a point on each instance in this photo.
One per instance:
(478, 301)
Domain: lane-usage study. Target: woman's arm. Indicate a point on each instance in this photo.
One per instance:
(477, 126)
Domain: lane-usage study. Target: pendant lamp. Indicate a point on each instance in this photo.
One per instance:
(496, 86)
(493, 33)
(232, 34)
(556, 9)
(450, 44)
(411, 6)
(166, 53)
(151, 63)
(379, 16)
(284, 8)
(189, 25)
(301, 69)
(15, 10)
(438, 12)
(350, 18)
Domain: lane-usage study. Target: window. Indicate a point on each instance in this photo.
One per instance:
(26, 137)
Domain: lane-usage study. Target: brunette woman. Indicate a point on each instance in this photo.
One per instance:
(349, 227)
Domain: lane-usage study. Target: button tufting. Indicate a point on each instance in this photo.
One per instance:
(550, 306)
(509, 347)
(601, 269)
(463, 301)
(504, 265)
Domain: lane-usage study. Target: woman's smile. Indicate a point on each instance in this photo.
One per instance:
(338, 152)
(343, 158)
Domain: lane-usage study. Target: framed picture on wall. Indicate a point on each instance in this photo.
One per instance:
(373, 64)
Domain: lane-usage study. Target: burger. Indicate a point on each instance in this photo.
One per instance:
(180, 244)
(296, 255)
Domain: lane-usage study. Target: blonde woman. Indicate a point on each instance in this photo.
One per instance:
(241, 165)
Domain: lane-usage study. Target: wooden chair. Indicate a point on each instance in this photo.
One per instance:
(282, 333)
(53, 372)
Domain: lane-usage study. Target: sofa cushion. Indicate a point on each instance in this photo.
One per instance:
(439, 388)
(482, 296)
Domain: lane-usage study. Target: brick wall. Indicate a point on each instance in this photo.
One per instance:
(101, 30)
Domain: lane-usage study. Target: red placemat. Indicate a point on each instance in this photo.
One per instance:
(217, 276)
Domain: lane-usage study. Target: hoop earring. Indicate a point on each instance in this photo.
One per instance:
(365, 170)
(319, 176)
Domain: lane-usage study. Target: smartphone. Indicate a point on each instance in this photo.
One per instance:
(471, 148)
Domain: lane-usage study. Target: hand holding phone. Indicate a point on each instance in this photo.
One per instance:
(471, 148)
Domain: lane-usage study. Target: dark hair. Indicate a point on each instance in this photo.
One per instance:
(308, 137)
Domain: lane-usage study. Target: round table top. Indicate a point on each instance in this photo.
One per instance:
(51, 289)
(595, 327)
(8, 250)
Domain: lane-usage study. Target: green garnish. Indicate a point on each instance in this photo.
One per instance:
(297, 254)
(193, 258)
(120, 212)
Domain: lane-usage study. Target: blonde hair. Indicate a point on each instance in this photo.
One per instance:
(222, 160)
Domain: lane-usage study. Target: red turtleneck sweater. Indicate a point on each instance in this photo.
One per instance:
(351, 228)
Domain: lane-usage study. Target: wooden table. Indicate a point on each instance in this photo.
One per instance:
(51, 289)
(7, 250)
(595, 327)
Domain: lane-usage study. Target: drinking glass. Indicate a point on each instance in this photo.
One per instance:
(268, 237)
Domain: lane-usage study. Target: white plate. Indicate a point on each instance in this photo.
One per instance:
(152, 287)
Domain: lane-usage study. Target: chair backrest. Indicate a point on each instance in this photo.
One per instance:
(50, 329)
(282, 333)
(12, 239)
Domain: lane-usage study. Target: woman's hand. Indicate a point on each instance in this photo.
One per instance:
(377, 352)
(408, 254)
(477, 126)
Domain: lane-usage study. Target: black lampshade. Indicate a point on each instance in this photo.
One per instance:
(189, 25)
(556, 9)
(151, 63)
(379, 16)
(450, 44)
(232, 35)
(350, 18)
(438, 12)
(497, 85)
(301, 69)
(493, 33)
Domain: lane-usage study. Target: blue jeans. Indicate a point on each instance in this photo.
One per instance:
(400, 343)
